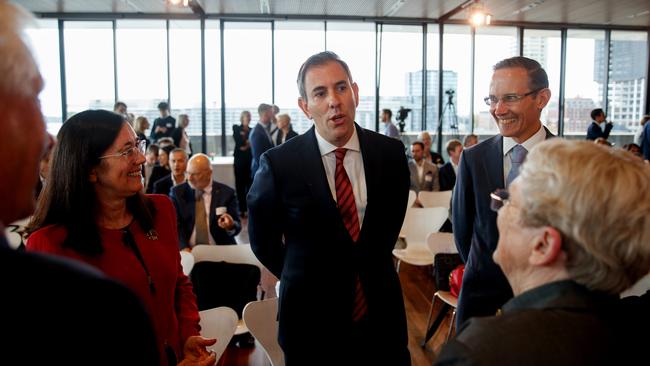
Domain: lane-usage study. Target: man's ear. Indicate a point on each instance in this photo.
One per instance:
(303, 106)
(543, 97)
(548, 247)
(92, 177)
(355, 90)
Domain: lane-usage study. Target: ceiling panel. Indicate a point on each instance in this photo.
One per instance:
(606, 12)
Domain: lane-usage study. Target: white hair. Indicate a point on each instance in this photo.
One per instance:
(18, 68)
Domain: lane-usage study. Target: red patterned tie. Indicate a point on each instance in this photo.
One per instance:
(348, 209)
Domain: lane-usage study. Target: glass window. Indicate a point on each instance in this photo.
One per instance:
(142, 66)
(433, 77)
(355, 44)
(492, 44)
(89, 73)
(185, 74)
(457, 74)
(44, 39)
(400, 76)
(212, 88)
(288, 59)
(247, 55)
(585, 75)
(544, 46)
(627, 80)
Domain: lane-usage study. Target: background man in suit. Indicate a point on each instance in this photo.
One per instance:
(164, 125)
(424, 175)
(448, 171)
(57, 299)
(599, 127)
(261, 138)
(518, 93)
(339, 209)
(567, 263)
(178, 164)
(218, 221)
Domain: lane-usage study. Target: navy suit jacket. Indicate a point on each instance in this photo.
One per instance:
(163, 185)
(645, 142)
(260, 142)
(184, 200)
(480, 172)
(594, 131)
(447, 177)
(73, 308)
(296, 231)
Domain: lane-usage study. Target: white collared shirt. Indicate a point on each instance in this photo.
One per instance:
(420, 167)
(509, 143)
(353, 164)
(207, 200)
(455, 166)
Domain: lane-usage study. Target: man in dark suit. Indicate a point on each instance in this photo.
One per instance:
(599, 127)
(325, 225)
(53, 311)
(261, 138)
(178, 164)
(448, 171)
(518, 93)
(218, 222)
(565, 270)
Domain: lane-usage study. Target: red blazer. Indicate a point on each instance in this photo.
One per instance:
(172, 308)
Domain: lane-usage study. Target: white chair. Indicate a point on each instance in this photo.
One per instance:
(187, 261)
(219, 323)
(441, 243)
(411, 199)
(435, 199)
(240, 253)
(261, 319)
(418, 223)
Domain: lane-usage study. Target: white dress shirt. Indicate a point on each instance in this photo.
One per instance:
(353, 165)
(509, 143)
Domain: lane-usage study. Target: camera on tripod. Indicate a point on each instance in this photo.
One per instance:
(402, 114)
(450, 95)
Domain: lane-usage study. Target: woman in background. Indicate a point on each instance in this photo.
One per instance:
(93, 210)
(180, 136)
(243, 159)
(140, 125)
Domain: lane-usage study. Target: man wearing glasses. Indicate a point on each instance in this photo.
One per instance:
(518, 93)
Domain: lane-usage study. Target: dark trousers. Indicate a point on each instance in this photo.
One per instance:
(243, 182)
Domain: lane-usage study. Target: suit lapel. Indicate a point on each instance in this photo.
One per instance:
(314, 172)
(494, 163)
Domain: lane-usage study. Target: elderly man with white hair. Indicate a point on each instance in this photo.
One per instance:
(53, 311)
(568, 247)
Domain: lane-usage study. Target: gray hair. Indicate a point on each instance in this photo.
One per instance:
(20, 75)
(598, 199)
(317, 60)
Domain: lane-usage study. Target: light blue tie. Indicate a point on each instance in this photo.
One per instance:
(517, 156)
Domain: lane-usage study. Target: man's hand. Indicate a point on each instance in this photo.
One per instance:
(225, 222)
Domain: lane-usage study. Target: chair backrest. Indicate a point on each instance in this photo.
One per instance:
(441, 243)
(239, 253)
(411, 200)
(435, 199)
(219, 323)
(187, 261)
(419, 222)
(261, 319)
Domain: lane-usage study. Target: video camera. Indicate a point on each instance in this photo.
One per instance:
(402, 114)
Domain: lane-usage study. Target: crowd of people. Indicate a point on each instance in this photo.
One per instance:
(551, 231)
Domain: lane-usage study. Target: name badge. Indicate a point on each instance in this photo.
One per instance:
(169, 125)
(428, 178)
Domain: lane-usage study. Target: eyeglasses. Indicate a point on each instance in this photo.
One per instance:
(499, 198)
(140, 145)
(508, 99)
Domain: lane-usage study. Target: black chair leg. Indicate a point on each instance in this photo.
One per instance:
(441, 316)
